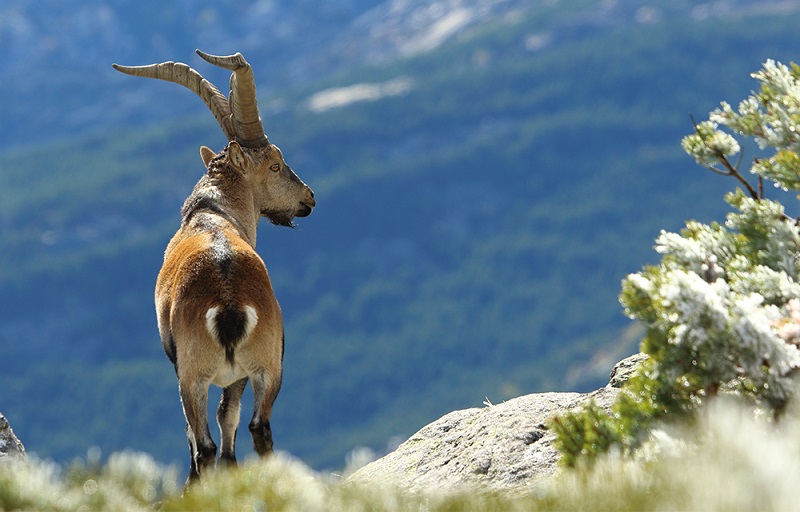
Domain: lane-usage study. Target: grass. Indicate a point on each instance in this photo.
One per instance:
(731, 460)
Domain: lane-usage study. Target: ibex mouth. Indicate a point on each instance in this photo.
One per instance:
(304, 211)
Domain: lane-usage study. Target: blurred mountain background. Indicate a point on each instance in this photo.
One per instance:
(486, 172)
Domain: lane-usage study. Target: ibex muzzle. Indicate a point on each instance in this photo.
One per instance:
(218, 317)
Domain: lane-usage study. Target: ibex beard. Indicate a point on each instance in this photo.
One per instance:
(218, 317)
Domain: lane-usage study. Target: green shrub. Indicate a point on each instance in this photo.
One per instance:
(722, 309)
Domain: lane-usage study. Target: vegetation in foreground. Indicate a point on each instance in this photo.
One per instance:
(735, 461)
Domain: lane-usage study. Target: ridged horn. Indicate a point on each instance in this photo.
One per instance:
(181, 74)
(242, 100)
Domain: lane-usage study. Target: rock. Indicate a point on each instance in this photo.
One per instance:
(624, 369)
(504, 446)
(10, 446)
(501, 446)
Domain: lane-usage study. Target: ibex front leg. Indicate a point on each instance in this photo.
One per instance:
(194, 397)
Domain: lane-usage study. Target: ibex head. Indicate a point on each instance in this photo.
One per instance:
(278, 193)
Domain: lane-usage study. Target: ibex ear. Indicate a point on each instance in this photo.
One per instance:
(207, 155)
(236, 156)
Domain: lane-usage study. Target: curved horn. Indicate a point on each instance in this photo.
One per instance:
(181, 74)
(245, 119)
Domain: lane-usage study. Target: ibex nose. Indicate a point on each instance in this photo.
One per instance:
(307, 204)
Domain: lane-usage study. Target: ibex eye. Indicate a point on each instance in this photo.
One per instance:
(275, 167)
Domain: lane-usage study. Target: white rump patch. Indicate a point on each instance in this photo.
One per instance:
(252, 320)
(211, 324)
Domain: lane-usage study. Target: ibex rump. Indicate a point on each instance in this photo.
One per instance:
(218, 318)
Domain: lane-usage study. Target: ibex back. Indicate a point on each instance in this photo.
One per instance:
(218, 318)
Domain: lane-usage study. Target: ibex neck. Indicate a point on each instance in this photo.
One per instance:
(211, 196)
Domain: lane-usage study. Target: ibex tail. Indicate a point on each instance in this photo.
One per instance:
(229, 325)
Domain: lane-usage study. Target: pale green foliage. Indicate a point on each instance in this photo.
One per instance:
(128, 482)
(709, 143)
(729, 460)
(722, 308)
(771, 117)
(711, 307)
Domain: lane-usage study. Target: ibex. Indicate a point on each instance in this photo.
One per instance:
(218, 318)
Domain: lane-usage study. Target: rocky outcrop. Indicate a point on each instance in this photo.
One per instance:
(10, 446)
(623, 370)
(503, 446)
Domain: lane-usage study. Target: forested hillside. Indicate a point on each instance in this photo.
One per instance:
(474, 220)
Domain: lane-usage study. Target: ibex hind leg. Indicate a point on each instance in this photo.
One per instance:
(265, 391)
(193, 473)
(228, 421)
(195, 408)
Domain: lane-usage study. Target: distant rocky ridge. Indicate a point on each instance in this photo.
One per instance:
(503, 446)
(10, 445)
(58, 48)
